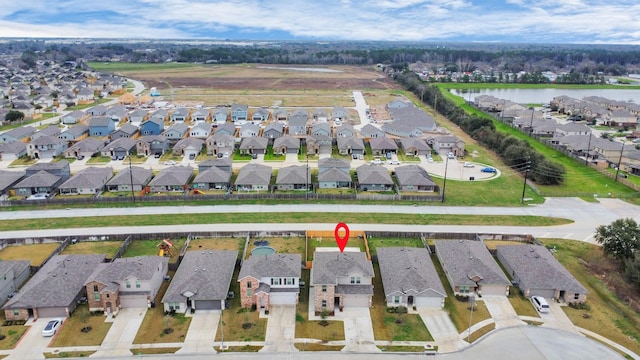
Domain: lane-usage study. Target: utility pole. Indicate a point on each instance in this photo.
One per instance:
(524, 185)
(531, 123)
(306, 196)
(444, 185)
(619, 162)
(586, 160)
(133, 196)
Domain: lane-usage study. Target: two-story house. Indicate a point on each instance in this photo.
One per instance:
(239, 113)
(267, 280)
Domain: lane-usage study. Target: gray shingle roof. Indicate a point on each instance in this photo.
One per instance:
(141, 176)
(383, 143)
(39, 179)
(334, 174)
(114, 273)
(206, 274)
(89, 144)
(254, 142)
(326, 163)
(466, 259)
(175, 175)
(213, 175)
(57, 283)
(403, 269)
(100, 121)
(372, 174)
(536, 268)
(8, 178)
(413, 175)
(91, 177)
(254, 174)
(288, 141)
(293, 175)
(273, 265)
(350, 142)
(330, 265)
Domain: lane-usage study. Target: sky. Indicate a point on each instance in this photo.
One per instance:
(521, 21)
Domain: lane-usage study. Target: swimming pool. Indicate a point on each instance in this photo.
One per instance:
(263, 250)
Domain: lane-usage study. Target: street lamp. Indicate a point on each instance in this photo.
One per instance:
(133, 196)
(444, 185)
(472, 298)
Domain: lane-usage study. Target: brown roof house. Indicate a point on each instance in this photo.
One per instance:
(470, 268)
(201, 282)
(537, 272)
(54, 290)
(341, 279)
(135, 176)
(253, 177)
(267, 280)
(125, 283)
(414, 178)
(409, 278)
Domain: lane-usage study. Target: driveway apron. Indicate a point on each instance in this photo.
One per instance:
(33, 344)
(441, 328)
(281, 327)
(122, 333)
(501, 311)
(358, 330)
(201, 333)
(556, 318)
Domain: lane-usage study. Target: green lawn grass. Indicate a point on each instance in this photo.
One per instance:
(375, 243)
(70, 334)
(126, 66)
(13, 334)
(150, 248)
(307, 329)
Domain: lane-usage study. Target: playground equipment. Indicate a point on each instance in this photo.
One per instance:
(164, 248)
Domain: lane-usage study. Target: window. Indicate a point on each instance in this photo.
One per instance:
(576, 296)
(107, 296)
(324, 288)
(249, 292)
(16, 312)
(290, 281)
(96, 296)
(324, 303)
(95, 288)
(248, 284)
(355, 280)
(137, 284)
(128, 284)
(176, 306)
(396, 299)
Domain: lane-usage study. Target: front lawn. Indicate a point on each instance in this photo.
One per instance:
(12, 334)
(99, 160)
(330, 330)
(71, 333)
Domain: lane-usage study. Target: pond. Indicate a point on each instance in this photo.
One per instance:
(544, 96)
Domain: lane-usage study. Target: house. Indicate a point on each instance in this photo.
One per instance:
(259, 115)
(413, 117)
(176, 132)
(13, 273)
(369, 131)
(286, 145)
(22, 133)
(219, 116)
(60, 168)
(320, 116)
(74, 117)
(350, 145)
(101, 126)
(46, 147)
(221, 163)
(201, 282)
(119, 148)
(298, 123)
(319, 145)
(138, 116)
(345, 131)
(226, 128)
(179, 115)
(409, 278)
(7, 180)
(213, 178)
(54, 290)
(51, 130)
(126, 131)
(88, 181)
(201, 130)
(254, 145)
(414, 178)
(341, 279)
(609, 150)
(125, 283)
(161, 114)
(188, 147)
(98, 110)
(339, 114)
(249, 130)
(320, 129)
(382, 146)
(537, 272)
(87, 148)
(398, 104)
(573, 129)
(253, 177)
(75, 133)
(401, 130)
(333, 173)
(172, 179)
(239, 113)
(117, 113)
(151, 144)
(13, 150)
(153, 126)
(443, 144)
(374, 178)
(267, 280)
(293, 178)
(273, 130)
(281, 115)
(220, 143)
(470, 268)
(414, 147)
(135, 176)
(620, 118)
(200, 115)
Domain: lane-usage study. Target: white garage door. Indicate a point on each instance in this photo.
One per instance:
(52, 312)
(494, 290)
(283, 298)
(133, 301)
(428, 302)
(356, 301)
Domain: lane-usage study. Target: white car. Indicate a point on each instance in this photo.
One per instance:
(468, 165)
(38, 196)
(393, 162)
(170, 162)
(376, 162)
(52, 327)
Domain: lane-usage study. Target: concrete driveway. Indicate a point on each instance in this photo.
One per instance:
(33, 344)
(501, 311)
(441, 328)
(281, 328)
(358, 330)
(556, 318)
(122, 333)
(202, 332)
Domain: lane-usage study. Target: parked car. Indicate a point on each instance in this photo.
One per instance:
(450, 155)
(393, 162)
(389, 156)
(192, 156)
(157, 155)
(39, 196)
(468, 165)
(170, 162)
(489, 170)
(80, 157)
(121, 157)
(540, 304)
(52, 327)
(376, 162)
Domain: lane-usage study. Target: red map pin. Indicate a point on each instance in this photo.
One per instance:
(341, 241)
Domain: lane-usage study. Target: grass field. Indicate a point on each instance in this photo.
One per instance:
(282, 245)
(67, 354)
(375, 243)
(36, 253)
(13, 334)
(231, 243)
(150, 247)
(108, 248)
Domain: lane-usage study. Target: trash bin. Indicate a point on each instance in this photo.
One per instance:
(472, 178)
